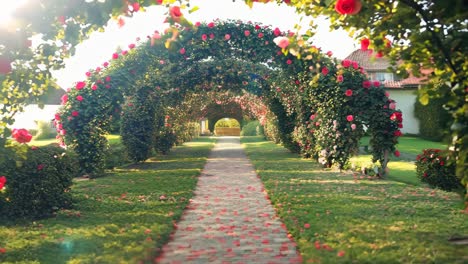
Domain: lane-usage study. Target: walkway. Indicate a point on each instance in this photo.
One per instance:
(229, 220)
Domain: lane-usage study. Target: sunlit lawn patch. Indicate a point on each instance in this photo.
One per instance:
(121, 218)
(338, 219)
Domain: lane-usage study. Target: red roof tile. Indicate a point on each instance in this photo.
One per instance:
(370, 63)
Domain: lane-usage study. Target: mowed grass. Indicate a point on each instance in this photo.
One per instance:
(412, 145)
(125, 217)
(335, 218)
(112, 139)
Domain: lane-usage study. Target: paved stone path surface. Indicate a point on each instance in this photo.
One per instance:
(229, 220)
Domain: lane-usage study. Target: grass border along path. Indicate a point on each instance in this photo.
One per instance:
(122, 218)
(335, 218)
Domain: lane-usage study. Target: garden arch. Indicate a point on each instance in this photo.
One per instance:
(245, 58)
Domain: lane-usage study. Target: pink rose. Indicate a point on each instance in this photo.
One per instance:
(350, 118)
(2, 182)
(80, 85)
(21, 135)
(79, 98)
(349, 92)
(365, 42)
(175, 13)
(325, 70)
(366, 84)
(346, 63)
(64, 99)
(348, 7)
(281, 42)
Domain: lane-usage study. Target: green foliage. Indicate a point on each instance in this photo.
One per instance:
(40, 185)
(252, 128)
(434, 168)
(227, 123)
(45, 131)
(432, 118)
(115, 155)
(165, 140)
(139, 126)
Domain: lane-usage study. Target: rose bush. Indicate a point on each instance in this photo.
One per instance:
(434, 167)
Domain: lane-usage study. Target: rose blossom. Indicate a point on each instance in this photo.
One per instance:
(21, 135)
(281, 42)
(348, 7)
(365, 42)
(175, 13)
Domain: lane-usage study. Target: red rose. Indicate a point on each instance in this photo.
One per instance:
(80, 85)
(21, 135)
(175, 13)
(75, 113)
(348, 7)
(346, 63)
(365, 44)
(325, 70)
(64, 99)
(2, 182)
(349, 92)
(40, 167)
(136, 7)
(397, 153)
(366, 84)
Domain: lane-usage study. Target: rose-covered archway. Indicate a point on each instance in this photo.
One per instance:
(168, 69)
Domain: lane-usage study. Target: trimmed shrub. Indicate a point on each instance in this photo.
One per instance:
(115, 155)
(252, 128)
(138, 128)
(40, 185)
(433, 119)
(165, 141)
(433, 168)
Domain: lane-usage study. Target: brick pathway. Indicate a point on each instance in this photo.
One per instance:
(229, 220)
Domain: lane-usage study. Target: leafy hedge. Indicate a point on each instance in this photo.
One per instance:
(39, 185)
(433, 168)
(432, 119)
(253, 128)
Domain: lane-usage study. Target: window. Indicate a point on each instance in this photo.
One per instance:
(382, 76)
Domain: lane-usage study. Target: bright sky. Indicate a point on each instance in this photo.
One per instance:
(100, 46)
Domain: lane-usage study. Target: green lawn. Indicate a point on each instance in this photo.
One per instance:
(113, 139)
(412, 145)
(402, 169)
(122, 218)
(369, 221)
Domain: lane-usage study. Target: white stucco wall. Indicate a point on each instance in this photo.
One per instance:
(33, 113)
(405, 100)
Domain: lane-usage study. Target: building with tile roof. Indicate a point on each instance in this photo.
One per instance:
(403, 91)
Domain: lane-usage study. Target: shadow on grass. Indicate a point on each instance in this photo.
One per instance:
(368, 221)
(125, 217)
